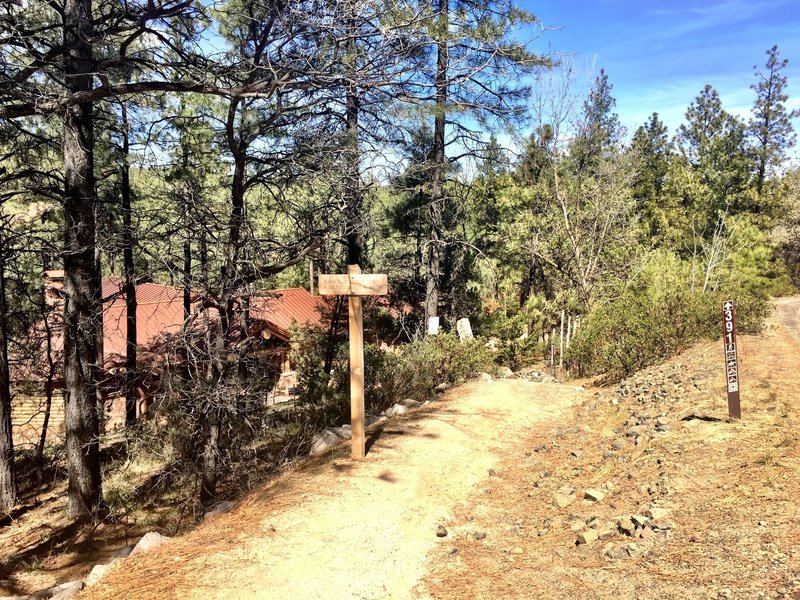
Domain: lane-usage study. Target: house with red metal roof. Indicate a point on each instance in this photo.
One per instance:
(160, 318)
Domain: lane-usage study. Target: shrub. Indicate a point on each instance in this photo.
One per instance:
(638, 330)
(409, 371)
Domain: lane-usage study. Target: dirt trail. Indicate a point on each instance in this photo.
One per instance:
(788, 311)
(339, 529)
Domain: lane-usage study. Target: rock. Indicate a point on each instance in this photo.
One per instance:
(486, 377)
(343, 432)
(616, 552)
(123, 552)
(576, 453)
(593, 495)
(578, 525)
(662, 525)
(492, 473)
(67, 590)
(504, 372)
(397, 409)
(517, 550)
(586, 537)
(636, 431)
(441, 531)
(639, 520)
(562, 500)
(323, 442)
(656, 513)
(442, 387)
(645, 533)
(217, 509)
(605, 532)
(618, 444)
(542, 532)
(410, 402)
(479, 535)
(61, 591)
(631, 549)
(149, 541)
(99, 571)
(626, 526)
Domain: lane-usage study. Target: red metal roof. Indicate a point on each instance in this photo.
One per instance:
(278, 309)
(159, 311)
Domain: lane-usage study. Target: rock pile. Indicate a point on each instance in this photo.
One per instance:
(67, 590)
(331, 437)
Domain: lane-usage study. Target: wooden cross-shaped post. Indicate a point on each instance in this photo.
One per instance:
(355, 285)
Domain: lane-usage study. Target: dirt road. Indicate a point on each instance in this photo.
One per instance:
(538, 487)
(341, 529)
(788, 311)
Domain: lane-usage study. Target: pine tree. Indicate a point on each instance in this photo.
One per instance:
(654, 151)
(714, 143)
(600, 130)
(771, 124)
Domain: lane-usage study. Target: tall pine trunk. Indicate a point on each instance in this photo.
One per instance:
(436, 206)
(8, 483)
(131, 344)
(353, 216)
(81, 275)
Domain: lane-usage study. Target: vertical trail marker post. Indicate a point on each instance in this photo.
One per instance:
(355, 285)
(731, 361)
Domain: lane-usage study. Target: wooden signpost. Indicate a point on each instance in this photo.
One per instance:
(731, 362)
(355, 285)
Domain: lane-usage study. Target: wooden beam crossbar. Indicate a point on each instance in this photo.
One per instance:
(355, 284)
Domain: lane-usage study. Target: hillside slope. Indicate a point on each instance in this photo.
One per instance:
(643, 490)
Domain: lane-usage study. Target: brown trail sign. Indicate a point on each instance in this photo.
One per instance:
(355, 285)
(731, 361)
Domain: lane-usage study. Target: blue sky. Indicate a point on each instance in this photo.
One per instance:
(659, 55)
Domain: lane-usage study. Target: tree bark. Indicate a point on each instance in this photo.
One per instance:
(8, 483)
(131, 345)
(81, 275)
(51, 374)
(436, 206)
(353, 216)
(208, 484)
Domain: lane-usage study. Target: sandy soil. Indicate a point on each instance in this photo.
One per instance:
(344, 529)
(487, 459)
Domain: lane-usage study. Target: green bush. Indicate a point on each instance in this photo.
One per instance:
(639, 329)
(409, 371)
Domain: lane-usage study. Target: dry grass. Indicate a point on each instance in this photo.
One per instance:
(720, 480)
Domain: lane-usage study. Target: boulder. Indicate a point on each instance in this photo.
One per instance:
(640, 520)
(123, 552)
(343, 432)
(149, 541)
(563, 500)
(504, 372)
(587, 537)
(410, 403)
(218, 509)
(656, 513)
(324, 442)
(593, 495)
(99, 571)
(67, 590)
(396, 410)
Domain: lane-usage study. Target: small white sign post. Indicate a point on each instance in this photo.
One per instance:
(355, 285)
